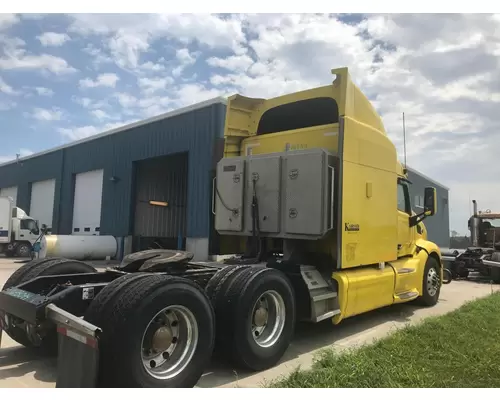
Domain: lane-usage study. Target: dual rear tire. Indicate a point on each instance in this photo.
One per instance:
(255, 313)
(158, 331)
(161, 331)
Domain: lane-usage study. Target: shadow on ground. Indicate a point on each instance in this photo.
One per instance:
(16, 362)
(312, 337)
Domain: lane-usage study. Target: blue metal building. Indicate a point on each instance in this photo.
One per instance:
(438, 226)
(167, 158)
(104, 184)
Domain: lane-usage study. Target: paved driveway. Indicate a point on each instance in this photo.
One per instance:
(19, 367)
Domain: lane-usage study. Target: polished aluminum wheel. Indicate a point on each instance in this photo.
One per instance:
(432, 282)
(268, 318)
(169, 342)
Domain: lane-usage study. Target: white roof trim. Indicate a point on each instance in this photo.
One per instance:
(427, 178)
(197, 106)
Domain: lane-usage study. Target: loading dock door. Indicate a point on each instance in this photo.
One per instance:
(42, 201)
(10, 192)
(87, 203)
(162, 179)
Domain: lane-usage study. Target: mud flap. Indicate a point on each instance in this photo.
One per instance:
(78, 355)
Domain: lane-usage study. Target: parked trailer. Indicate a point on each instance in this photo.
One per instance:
(312, 183)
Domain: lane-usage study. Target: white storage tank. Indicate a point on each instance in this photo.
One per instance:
(78, 247)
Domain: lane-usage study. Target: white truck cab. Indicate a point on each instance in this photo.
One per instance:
(18, 231)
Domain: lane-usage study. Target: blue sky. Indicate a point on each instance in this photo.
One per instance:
(65, 77)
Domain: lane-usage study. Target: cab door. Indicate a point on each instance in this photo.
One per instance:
(405, 239)
(28, 230)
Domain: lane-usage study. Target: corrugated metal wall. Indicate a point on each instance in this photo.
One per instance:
(23, 173)
(161, 179)
(438, 226)
(194, 132)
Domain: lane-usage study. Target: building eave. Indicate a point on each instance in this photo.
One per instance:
(170, 114)
(427, 178)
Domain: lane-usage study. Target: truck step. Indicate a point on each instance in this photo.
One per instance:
(329, 314)
(325, 296)
(406, 295)
(322, 294)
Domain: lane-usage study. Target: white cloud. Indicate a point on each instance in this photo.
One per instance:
(12, 157)
(81, 132)
(43, 91)
(152, 67)
(151, 85)
(91, 104)
(98, 54)
(185, 59)
(126, 100)
(7, 105)
(53, 39)
(192, 93)
(8, 20)
(6, 88)
(233, 63)
(103, 80)
(100, 114)
(43, 114)
(128, 36)
(47, 62)
(13, 56)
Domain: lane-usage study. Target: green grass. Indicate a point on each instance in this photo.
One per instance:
(459, 349)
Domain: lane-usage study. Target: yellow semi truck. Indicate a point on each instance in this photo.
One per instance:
(311, 195)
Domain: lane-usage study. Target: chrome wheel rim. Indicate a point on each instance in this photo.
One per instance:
(432, 282)
(268, 318)
(169, 342)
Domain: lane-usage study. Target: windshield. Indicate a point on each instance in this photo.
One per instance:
(29, 224)
(495, 223)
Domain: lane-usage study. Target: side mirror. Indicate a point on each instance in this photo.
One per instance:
(430, 201)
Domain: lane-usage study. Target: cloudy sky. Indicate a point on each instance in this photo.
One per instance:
(65, 77)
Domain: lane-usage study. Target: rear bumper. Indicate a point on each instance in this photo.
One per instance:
(24, 305)
(78, 340)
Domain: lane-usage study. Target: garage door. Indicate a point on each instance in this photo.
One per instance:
(87, 204)
(9, 192)
(42, 201)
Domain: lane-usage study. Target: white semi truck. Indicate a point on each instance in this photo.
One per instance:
(18, 231)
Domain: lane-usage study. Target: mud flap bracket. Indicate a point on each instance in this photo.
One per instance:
(78, 349)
